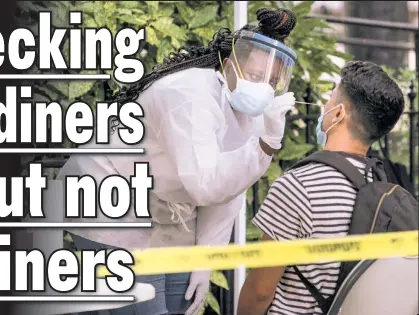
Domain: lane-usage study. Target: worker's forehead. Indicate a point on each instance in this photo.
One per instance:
(261, 59)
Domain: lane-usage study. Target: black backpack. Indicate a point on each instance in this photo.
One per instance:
(396, 173)
(380, 207)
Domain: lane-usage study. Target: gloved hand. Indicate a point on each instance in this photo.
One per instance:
(199, 284)
(274, 119)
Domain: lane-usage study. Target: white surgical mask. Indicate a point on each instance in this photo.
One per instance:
(251, 98)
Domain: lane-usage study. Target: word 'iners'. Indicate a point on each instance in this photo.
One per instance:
(273, 253)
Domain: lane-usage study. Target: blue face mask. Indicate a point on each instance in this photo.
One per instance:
(251, 98)
(322, 135)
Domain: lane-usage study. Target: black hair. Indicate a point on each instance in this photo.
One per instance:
(376, 102)
(274, 23)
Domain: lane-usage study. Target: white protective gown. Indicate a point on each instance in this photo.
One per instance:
(203, 156)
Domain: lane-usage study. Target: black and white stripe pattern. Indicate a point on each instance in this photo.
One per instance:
(313, 201)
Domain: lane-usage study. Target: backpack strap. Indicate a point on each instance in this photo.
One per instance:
(338, 162)
(323, 303)
(341, 164)
(377, 168)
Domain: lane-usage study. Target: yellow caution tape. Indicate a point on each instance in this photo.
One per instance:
(272, 253)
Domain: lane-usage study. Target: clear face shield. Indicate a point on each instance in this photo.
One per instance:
(260, 59)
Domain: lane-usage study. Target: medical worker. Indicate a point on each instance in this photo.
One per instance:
(213, 116)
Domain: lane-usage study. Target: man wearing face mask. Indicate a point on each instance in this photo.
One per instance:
(214, 116)
(316, 200)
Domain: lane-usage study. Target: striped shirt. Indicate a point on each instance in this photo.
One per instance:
(313, 201)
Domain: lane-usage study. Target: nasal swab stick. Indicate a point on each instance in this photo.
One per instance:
(309, 103)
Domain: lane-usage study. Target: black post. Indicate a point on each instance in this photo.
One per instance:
(307, 98)
(226, 297)
(417, 53)
(228, 301)
(417, 112)
(386, 151)
(412, 145)
(255, 202)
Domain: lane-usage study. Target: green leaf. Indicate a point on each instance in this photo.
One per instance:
(304, 63)
(215, 26)
(129, 5)
(205, 33)
(293, 151)
(164, 49)
(175, 43)
(218, 278)
(123, 11)
(178, 33)
(274, 172)
(342, 55)
(59, 17)
(307, 26)
(68, 238)
(78, 88)
(303, 8)
(89, 21)
(138, 20)
(151, 37)
(185, 11)
(164, 10)
(165, 25)
(104, 13)
(203, 16)
(213, 303)
(153, 6)
(84, 6)
(61, 86)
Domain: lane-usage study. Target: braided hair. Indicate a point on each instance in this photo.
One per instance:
(274, 23)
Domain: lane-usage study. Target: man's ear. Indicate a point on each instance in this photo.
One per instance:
(339, 114)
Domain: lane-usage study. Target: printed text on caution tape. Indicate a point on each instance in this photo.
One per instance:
(273, 253)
